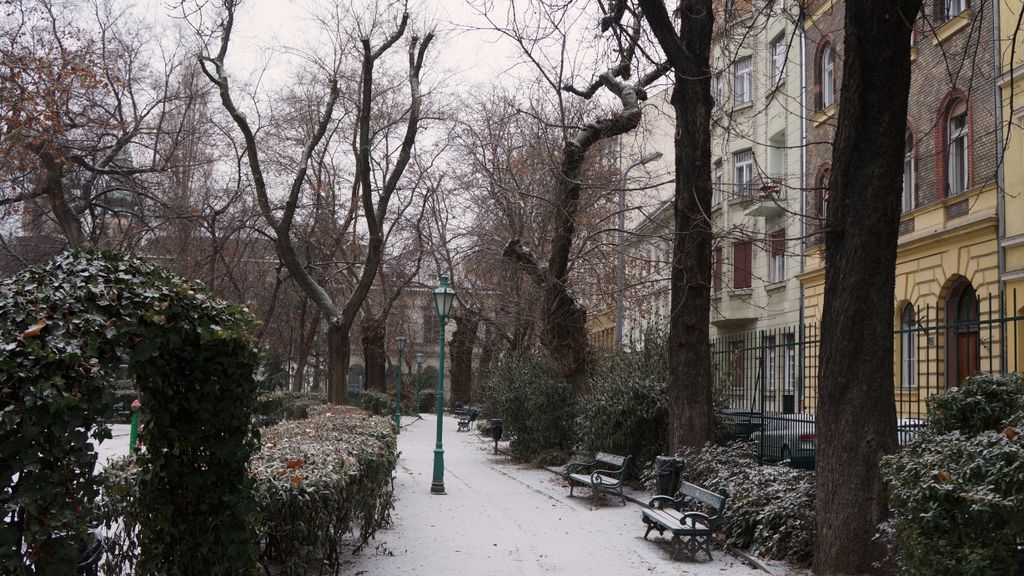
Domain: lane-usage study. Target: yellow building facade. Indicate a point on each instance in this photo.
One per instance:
(1011, 90)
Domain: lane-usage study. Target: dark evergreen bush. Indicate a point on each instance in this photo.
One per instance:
(379, 403)
(626, 411)
(957, 491)
(770, 508)
(536, 406)
(66, 327)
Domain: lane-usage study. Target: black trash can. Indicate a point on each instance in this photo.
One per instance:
(496, 429)
(667, 470)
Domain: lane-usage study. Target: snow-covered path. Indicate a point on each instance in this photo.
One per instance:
(500, 518)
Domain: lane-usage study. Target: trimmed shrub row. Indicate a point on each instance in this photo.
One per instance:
(274, 407)
(316, 482)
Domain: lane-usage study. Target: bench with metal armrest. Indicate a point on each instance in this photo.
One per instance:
(604, 474)
(691, 529)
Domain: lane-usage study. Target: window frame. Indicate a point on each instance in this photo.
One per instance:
(908, 200)
(744, 184)
(778, 68)
(743, 81)
(908, 347)
(827, 72)
(957, 148)
(777, 256)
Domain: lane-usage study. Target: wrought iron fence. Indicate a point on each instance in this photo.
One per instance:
(766, 381)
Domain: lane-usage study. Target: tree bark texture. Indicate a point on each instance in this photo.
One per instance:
(374, 336)
(856, 419)
(339, 348)
(691, 418)
(460, 354)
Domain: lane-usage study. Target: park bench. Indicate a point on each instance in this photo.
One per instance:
(604, 474)
(692, 529)
(466, 417)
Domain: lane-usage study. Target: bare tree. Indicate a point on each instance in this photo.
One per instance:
(376, 179)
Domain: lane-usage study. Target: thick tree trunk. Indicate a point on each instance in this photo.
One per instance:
(338, 348)
(856, 419)
(461, 354)
(691, 418)
(487, 347)
(305, 347)
(374, 353)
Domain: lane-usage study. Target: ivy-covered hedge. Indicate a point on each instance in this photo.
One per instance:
(770, 508)
(317, 481)
(65, 329)
(626, 411)
(537, 408)
(957, 491)
(379, 403)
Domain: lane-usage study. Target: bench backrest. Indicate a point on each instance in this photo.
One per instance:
(606, 461)
(716, 502)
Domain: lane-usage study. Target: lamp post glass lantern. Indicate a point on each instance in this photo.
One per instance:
(444, 296)
(419, 370)
(398, 388)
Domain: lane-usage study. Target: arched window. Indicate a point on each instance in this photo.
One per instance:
(957, 149)
(963, 334)
(909, 173)
(908, 347)
(827, 75)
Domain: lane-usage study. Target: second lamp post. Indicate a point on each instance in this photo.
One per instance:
(444, 296)
(398, 389)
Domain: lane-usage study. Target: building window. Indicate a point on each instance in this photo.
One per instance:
(742, 254)
(826, 76)
(948, 9)
(957, 149)
(909, 172)
(778, 60)
(908, 348)
(719, 94)
(743, 81)
(744, 163)
(821, 200)
(717, 285)
(716, 193)
(739, 363)
(777, 265)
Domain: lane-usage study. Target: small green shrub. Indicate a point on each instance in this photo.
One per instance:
(770, 508)
(318, 481)
(626, 410)
(983, 402)
(536, 406)
(427, 401)
(957, 495)
(379, 403)
(275, 407)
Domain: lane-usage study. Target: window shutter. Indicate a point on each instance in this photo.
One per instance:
(741, 265)
(718, 270)
(778, 241)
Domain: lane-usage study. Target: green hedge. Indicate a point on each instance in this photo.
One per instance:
(537, 408)
(957, 491)
(317, 482)
(66, 328)
(379, 403)
(770, 508)
(626, 411)
(274, 407)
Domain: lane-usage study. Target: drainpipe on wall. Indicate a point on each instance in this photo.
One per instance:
(1000, 152)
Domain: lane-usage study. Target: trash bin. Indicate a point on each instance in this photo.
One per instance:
(496, 429)
(667, 470)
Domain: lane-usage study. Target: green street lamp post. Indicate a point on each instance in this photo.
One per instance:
(398, 389)
(444, 296)
(419, 370)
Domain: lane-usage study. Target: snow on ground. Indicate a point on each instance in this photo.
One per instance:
(114, 447)
(500, 518)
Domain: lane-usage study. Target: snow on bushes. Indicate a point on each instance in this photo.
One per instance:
(770, 508)
(319, 479)
(957, 491)
(273, 407)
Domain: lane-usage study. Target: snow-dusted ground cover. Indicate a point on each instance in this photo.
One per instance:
(500, 518)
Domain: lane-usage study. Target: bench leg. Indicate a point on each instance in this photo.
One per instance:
(649, 528)
(623, 496)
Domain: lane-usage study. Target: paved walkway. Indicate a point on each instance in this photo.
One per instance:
(500, 518)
